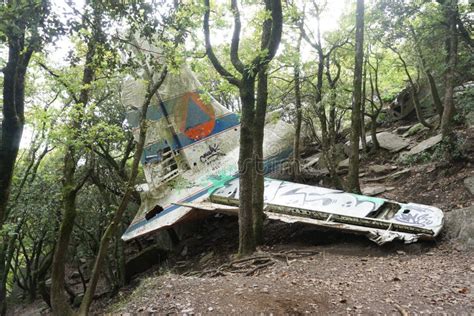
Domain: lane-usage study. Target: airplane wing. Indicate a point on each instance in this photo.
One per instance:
(381, 220)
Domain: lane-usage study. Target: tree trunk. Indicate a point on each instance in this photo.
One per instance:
(450, 11)
(59, 303)
(413, 92)
(299, 118)
(435, 94)
(416, 103)
(111, 229)
(270, 40)
(373, 133)
(327, 150)
(259, 128)
(12, 130)
(362, 110)
(332, 133)
(353, 176)
(295, 168)
(375, 111)
(433, 89)
(246, 168)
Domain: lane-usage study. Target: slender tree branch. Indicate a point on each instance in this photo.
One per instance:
(210, 52)
(234, 46)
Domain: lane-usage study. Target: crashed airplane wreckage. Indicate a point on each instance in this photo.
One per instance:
(190, 164)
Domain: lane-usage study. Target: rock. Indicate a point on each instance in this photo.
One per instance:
(391, 176)
(316, 173)
(459, 226)
(187, 310)
(75, 275)
(311, 161)
(207, 257)
(415, 129)
(469, 119)
(469, 184)
(432, 120)
(402, 129)
(374, 190)
(467, 146)
(344, 163)
(389, 141)
(426, 144)
(381, 169)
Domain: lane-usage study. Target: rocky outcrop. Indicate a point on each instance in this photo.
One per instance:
(459, 226)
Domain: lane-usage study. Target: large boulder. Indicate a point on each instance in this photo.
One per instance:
(469, 184)
(375, 190)
(459, 226)
(415, 129)
(467, 145)
(426, 144)
(381, 169)
(389, 141)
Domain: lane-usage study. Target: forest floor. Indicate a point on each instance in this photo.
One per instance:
(325, 273)
(303, 270)
(349, 277)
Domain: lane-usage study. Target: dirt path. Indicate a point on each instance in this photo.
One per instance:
(347, 275)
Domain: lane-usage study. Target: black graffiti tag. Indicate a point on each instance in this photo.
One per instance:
(214, 151)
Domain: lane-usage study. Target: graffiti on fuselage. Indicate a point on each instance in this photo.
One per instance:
(419, 215)
(308, 197)
(211, 155)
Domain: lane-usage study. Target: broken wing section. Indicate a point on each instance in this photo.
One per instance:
(381, 220)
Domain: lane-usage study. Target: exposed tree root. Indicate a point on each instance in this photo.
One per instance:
(254, 264)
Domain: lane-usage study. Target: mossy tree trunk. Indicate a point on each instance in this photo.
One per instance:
(450, 8)
(72, 183)
(353, 176)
